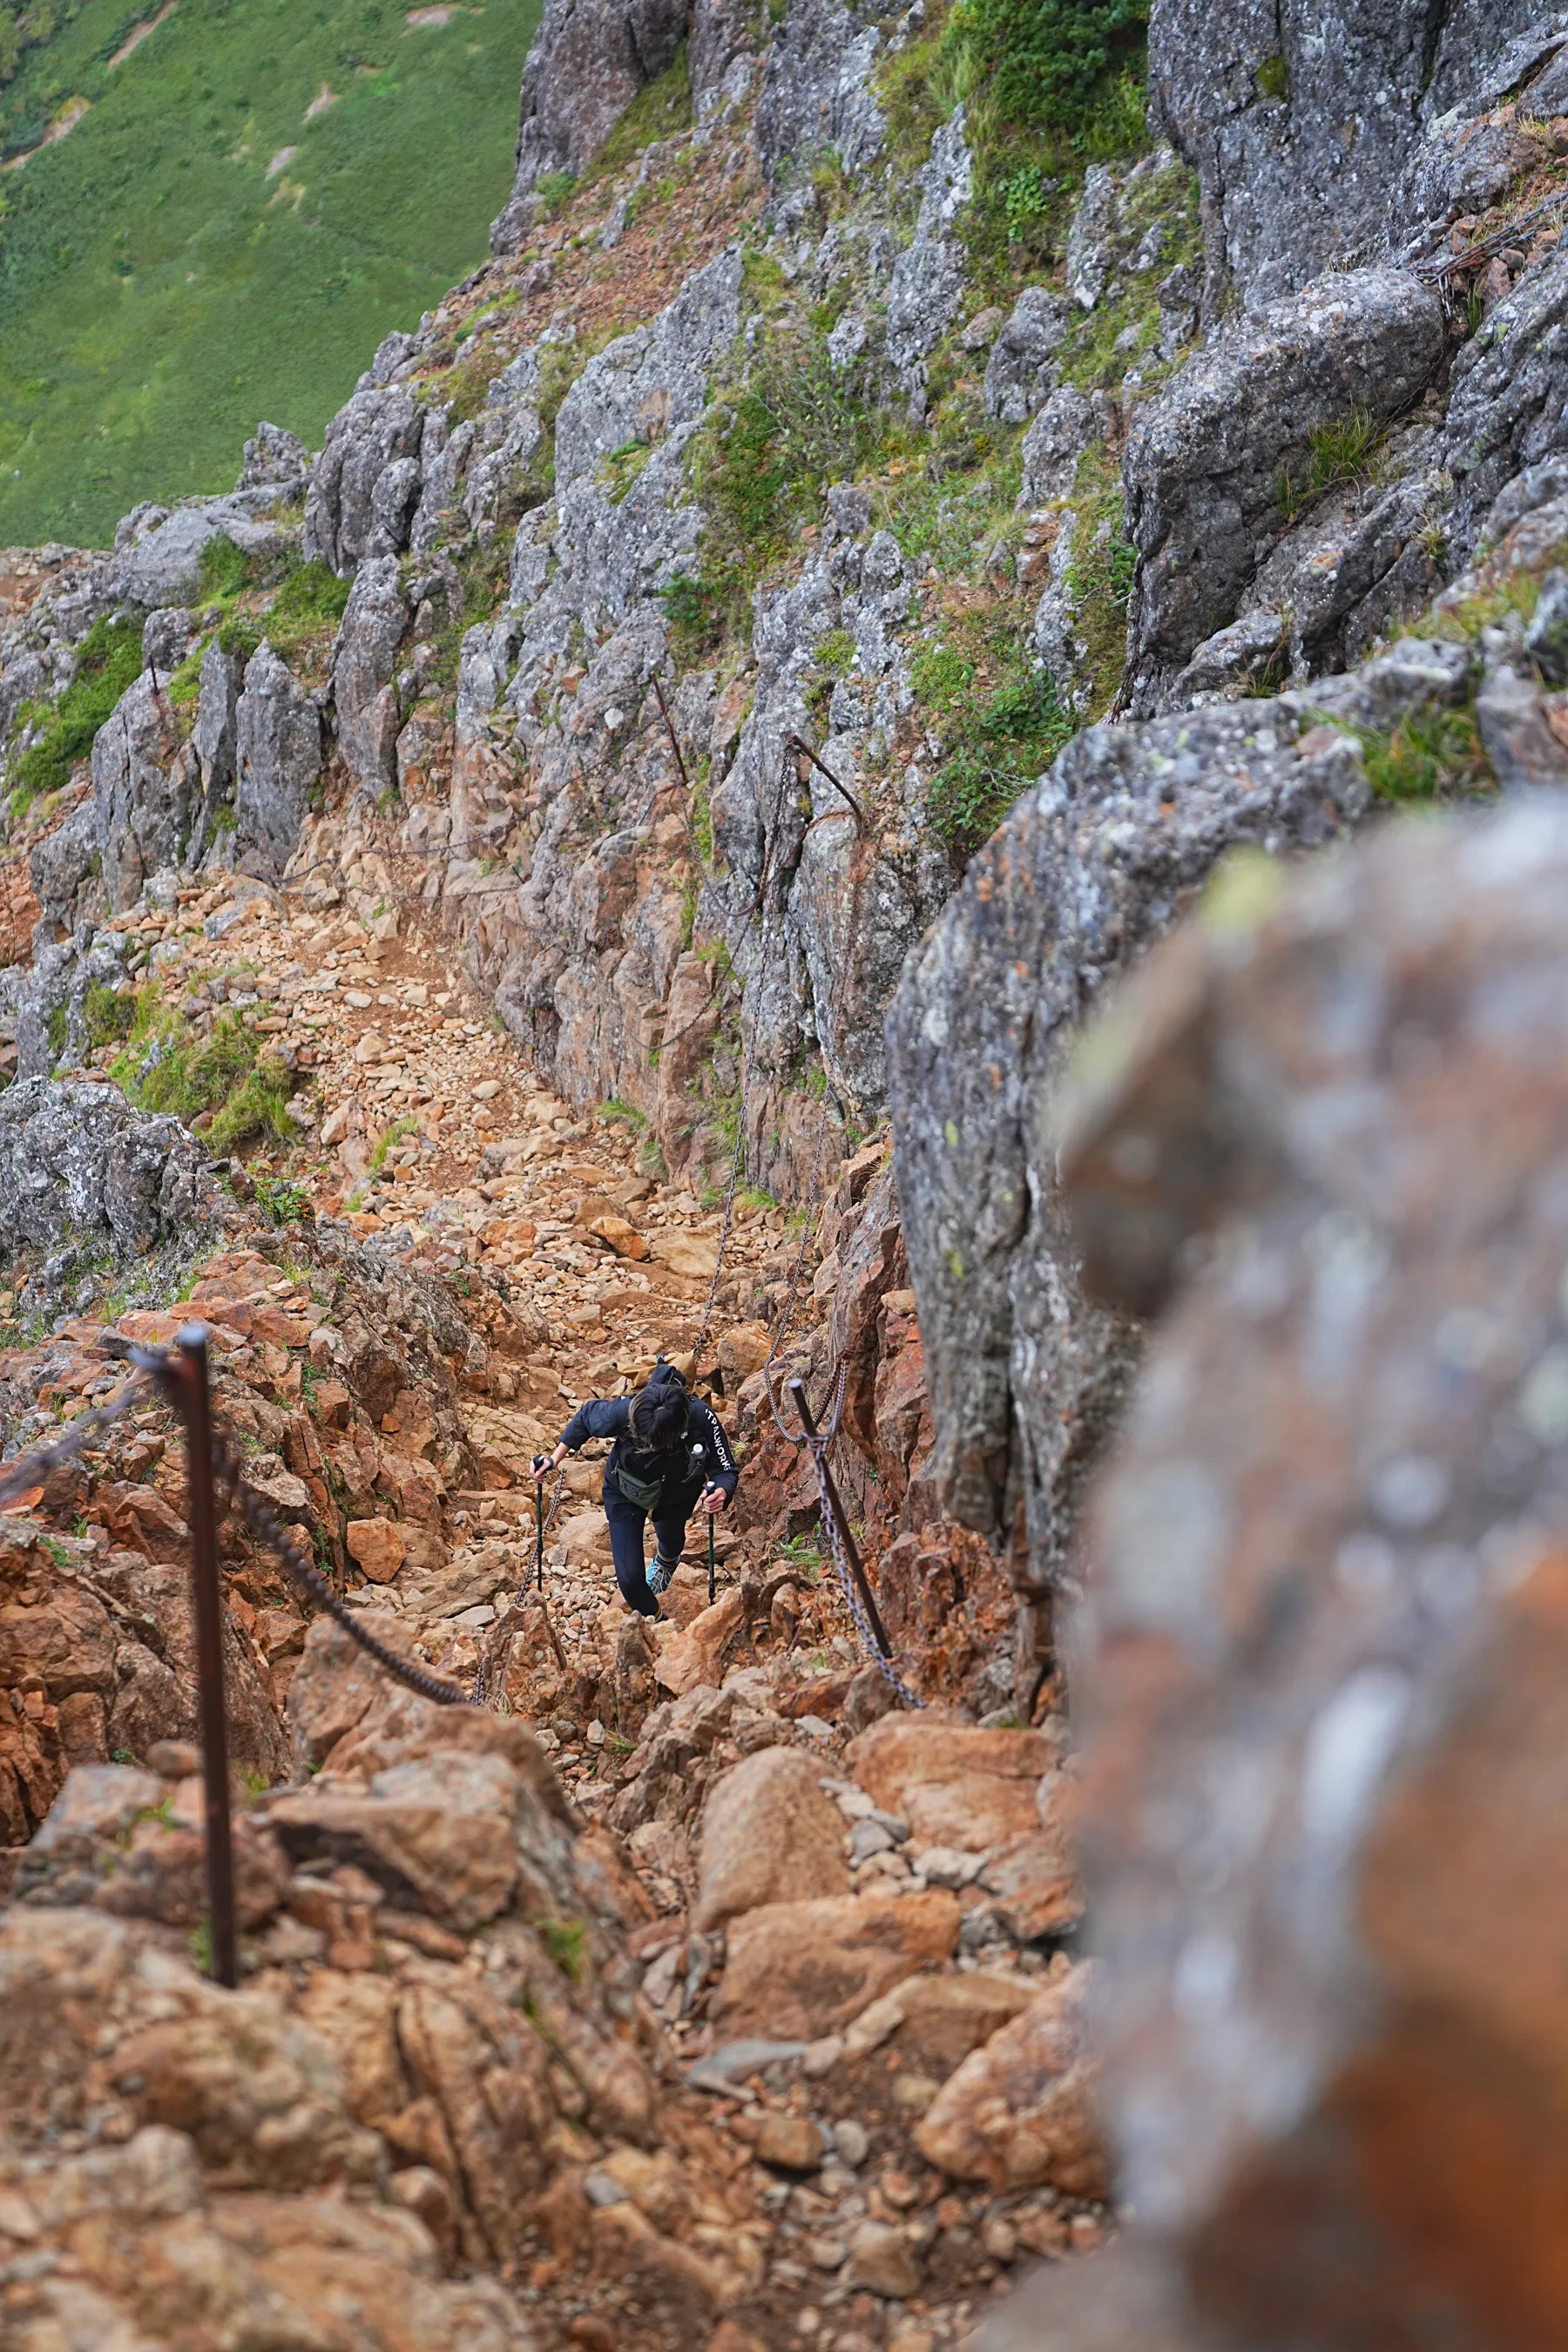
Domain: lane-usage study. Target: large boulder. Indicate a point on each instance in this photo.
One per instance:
(1206, 459)
(1322, 1663)
(769, 1835)
(277, 758)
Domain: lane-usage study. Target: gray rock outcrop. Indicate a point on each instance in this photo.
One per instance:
(374, 622)
(816, 89)
(587, 62)
(80, 1168)
(278, 759)
(1026, 1374)
(365, 487)
(143, 791)
(1300, 125)
(1206, 460)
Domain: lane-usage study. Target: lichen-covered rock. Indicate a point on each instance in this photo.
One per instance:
(926, 289)
(1299, 131)
(1205, 458)
(1509, 388)
(277, 758)
(1020, 373)
(816, 89)
(275, 460)
(82, 1166)
(1024, 1373)
(1328, 1578)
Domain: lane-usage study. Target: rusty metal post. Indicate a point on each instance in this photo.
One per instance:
(209, 1600)
(841, 1520)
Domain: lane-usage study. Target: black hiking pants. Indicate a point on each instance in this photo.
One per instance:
(628, 1521)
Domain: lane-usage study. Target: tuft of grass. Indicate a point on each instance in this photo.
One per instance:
(224, 1081)
(224, 570)
(107, 1017)
(566, 1941)
(109, 659)
(1000, 722)
(308, 606)
(1432, 755)
(554, 192)
(1344, 450)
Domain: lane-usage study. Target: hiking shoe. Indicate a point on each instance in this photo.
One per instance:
(659, 1574)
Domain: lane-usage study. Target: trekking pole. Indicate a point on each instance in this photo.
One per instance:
(539, 1522)
(711, 1568)
(208, 1599)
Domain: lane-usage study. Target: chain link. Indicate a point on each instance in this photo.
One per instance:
(33, 1469)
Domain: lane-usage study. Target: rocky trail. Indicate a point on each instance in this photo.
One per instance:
(799, 2054)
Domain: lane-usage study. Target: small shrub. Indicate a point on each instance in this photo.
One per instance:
(280, 1200)
(555, 191)
(109, 659)
(108, 1018)
(224, 569)
(1432, 755)
(1043, 62)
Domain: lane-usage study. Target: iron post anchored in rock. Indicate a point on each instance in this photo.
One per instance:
(840, 1518)
(192, 1372)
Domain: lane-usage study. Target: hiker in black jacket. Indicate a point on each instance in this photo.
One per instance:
(670, 1454)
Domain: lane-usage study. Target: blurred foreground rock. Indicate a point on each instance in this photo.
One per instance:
(1324, 1656)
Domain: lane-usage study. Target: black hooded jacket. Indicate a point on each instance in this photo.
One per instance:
(610, 1417)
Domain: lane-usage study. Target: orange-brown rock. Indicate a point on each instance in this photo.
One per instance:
(955, 1784)
(802, 1971)
(1020, 2110)
(769, 1835)
(699, 1654)
(377, 1547)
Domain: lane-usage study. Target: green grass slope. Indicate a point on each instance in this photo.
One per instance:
(165, 281)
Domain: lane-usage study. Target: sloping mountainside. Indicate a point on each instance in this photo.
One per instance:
(216, 208)
(924, 522)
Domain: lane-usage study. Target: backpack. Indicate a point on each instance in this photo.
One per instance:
(646, 1493)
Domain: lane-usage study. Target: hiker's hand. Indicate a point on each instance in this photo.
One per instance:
(714, 1498)
(543, 1464)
